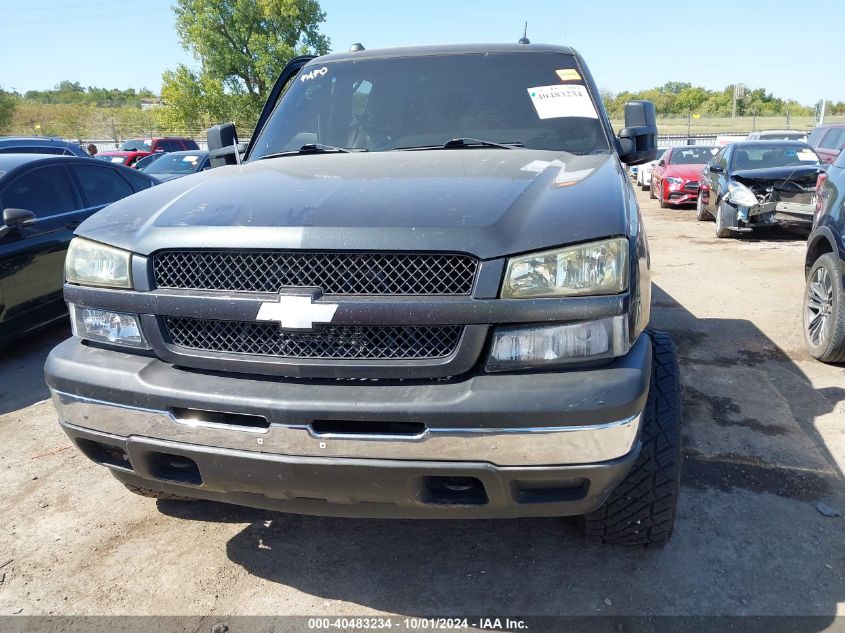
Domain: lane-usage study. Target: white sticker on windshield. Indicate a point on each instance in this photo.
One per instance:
(317, 72)
(807, 155)
(553, 102)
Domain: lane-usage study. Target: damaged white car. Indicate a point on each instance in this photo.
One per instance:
(760, 183)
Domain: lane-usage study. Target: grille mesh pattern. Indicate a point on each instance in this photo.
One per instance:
(329, 342)
(334, 273)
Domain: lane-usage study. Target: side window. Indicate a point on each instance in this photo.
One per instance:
(33, 149)
(189, 144)
(45, 191)
(138, 182)
(101, 185)
(833, 139)
(170, 146)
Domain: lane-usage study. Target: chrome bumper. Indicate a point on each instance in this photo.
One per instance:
(540, 446)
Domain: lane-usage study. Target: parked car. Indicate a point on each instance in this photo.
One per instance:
(143, 163)
(43, 199)
(644, 173)
(39, 145)
(675, 177)
(777, 135)
(286, 338)
(828, 141)
(177, 164)
(134, 149)
(824, 264)
(118, 157)
(760, 183)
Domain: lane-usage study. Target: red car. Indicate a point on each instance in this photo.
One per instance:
(134, 149)
(828, 141)
(675, 178)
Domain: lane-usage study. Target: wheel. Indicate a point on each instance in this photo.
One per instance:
(725, 217)
(701, 213)
(660, 199)
(644, 186)
(155, 494)
(824, 311)
(641, 510)
(651, 190)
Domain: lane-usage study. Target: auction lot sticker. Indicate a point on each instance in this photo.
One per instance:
(554, 102)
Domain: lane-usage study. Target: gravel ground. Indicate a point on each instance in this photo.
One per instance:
(764, 444)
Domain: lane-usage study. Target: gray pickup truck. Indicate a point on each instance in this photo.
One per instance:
(420, 290)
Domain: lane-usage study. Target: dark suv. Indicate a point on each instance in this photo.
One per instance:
(423, 293)
(824, 294)
(40, 145)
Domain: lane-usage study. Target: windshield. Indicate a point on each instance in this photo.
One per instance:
(175, 164)
(137, 145)
(535, 99)
(765, 156)
(697, 155)
(784, 136)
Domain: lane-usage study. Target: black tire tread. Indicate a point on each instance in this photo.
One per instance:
(641, 510)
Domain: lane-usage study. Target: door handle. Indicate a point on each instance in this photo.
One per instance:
(73, 225)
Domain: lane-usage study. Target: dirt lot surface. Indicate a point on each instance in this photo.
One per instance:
(764, 444)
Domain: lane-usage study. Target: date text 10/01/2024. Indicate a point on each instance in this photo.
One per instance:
(417, 624)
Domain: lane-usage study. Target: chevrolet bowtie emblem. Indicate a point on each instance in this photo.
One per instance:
(295, 312)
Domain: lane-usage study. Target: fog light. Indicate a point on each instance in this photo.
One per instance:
(103, 326)
(542, 346)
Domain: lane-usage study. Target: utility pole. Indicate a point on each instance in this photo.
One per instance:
(787, 118)
(689, 124)
(821, 112)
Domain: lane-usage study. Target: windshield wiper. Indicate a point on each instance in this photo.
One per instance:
(314, 148)
(464, 143)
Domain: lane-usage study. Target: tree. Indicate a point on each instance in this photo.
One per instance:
(7, 108)
(242, 46)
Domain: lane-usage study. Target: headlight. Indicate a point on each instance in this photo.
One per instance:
(741, 195)
(542, 346)
(675, 181)
(105, 326)
(92, 264)
(597, 268)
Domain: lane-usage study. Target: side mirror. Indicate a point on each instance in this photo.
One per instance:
(638, 139)
(661, 162)
(223, 146)
(16, 219)
(716, 169)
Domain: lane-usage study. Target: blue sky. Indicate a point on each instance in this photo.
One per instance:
(788, 48)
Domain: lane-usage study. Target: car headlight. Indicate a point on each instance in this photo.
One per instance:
(675, 181)
(741, 195)
(525, 347)
(93, 264)
(105, 326)
(597, 268)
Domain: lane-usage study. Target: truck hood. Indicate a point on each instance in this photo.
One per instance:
(487, 202)
(802, 174)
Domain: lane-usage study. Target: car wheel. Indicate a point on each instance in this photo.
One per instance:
(725, 218)
(651, 190)
(660, 199)
(824, 311)
(701, 213)
(644, 185)
(641, 510)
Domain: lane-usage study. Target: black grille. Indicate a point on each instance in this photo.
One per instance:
(328, 342)
(691, 186)
(334, 273)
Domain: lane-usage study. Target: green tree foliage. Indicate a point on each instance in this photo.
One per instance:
(677, 98)
(242, 46)
(71, 92)
(7, 109)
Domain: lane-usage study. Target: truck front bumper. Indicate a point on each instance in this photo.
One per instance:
(544, 444)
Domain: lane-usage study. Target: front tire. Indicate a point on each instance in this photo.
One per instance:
(651, 190)
(824, 311)
(660, 197)
(701, 213)
(725, 218)
(641, 510)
